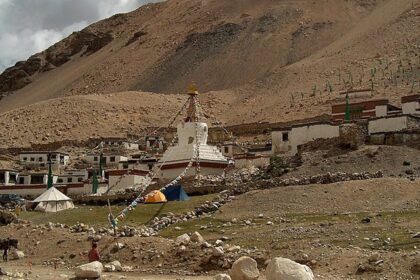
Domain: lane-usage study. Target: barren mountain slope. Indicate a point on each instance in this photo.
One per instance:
(258, 60)
(164, 46)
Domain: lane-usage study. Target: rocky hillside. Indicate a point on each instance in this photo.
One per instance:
(265, 60)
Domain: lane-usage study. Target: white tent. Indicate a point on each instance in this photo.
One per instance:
(52, 200)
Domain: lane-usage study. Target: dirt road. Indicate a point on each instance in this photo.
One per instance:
(47, 273)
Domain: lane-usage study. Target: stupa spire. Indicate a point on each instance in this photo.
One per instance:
(192, 113)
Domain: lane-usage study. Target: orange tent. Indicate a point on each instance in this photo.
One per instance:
(155, 197)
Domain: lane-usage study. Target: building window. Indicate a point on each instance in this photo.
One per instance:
(285, 136)
(25, 159)
(95, 158)
(40, 159)
(69, 180)
(32, 159)
(37, 179)
(60, 180)
(80, 179)
(112, 159)
(125, 165)
(21, 180)
(226, 150)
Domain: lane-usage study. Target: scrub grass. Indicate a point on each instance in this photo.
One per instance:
(98, 215)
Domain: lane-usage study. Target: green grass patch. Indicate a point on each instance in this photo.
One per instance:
(97, 215)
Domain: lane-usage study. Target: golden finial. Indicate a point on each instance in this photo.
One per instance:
(192, 89)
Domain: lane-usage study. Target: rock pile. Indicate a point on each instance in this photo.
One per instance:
(7, 217)
(328, 178)
(219, 255)
(208, 207)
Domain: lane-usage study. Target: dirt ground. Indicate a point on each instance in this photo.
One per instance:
(336, 229)
(39, 272)
(387, 194)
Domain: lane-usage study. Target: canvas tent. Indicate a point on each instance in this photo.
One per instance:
(175, 193)
(155, 197)
(52, 200)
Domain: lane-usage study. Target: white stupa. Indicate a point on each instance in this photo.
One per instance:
(191, 134)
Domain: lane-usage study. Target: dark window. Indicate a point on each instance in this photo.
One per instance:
(12, 178)
(2, 178)
(285, 136)
(226, 150)
(37, 179)
(69, 180)
(60, 180)
(40, 159)
(21, 180)
(32, 159)
(80, 179)
(95, 158)
(25, 158)
(125, 165)
(112, 159)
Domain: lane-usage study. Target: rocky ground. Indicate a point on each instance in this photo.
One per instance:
(393, 161)
(336, 229)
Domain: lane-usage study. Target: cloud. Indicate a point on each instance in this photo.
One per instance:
(31, 26)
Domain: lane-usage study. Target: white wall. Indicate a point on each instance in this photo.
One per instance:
(91, 159)
(130, 146)
(28, 179)
(126, 181)
(381, 110)
(229, 151)
(411, 107)
(301, 135)
(7, 175)
(42, 158)
(387, 124)
(171, 174)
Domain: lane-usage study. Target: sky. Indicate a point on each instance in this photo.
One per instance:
(30, 26)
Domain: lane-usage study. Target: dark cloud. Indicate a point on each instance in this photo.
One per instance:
(30, 26)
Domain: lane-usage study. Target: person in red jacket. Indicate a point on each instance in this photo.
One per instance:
(93, 253)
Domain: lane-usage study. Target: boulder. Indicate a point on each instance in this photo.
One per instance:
(109, 268)
(183, 239)
(217, 251)
(285, 269)
(89, 270)
(222, 277)
(244, 268)
(117, 265)
(17, 255)
(196, 237)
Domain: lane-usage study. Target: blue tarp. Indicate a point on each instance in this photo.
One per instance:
(176, 192)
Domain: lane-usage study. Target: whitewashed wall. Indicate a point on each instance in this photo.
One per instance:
(411, 107)
(126, 181)
(301, 135)
(387, 124)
